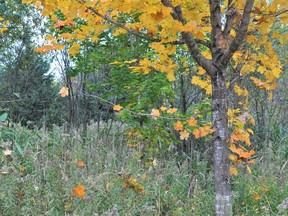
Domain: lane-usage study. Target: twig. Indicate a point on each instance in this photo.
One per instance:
(281, 171)
(136, 113)
(11, 101)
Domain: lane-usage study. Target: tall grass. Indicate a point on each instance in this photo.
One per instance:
(39, 177)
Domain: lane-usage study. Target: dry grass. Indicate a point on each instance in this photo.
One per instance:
(39, 176)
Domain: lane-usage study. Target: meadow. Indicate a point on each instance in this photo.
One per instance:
(41, 174)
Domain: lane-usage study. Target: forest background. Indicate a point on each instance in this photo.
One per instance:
(115, 143)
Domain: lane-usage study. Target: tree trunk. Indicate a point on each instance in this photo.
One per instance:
(223, 204)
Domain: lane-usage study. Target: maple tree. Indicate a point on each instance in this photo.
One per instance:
(221, 38)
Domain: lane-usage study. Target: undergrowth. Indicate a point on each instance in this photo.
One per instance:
(39, 176)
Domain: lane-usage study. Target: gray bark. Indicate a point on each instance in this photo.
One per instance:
(223, 205)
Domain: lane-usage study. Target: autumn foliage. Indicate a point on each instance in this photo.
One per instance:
(219, 36)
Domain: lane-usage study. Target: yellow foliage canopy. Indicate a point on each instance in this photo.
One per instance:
(157, 25)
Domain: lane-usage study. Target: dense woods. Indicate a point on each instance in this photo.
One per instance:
(143, 107)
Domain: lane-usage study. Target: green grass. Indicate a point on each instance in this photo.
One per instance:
(51, 172)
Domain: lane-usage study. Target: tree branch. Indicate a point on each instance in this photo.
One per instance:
(195, 52)
(189, 40)
(187, 36)
(240, 34)
(143, 36)
(215, 18)
(230, 14)
(122, 25)
(198, 41)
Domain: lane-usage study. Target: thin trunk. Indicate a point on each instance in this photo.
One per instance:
(85, 107)
(71, 102)
(183, 95)
(223, 206)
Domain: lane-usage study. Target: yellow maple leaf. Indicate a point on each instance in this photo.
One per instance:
(201, 71)
(192, 121)
(240, 135)
(178, 126)
(74, 49)
(202, 131)
(64, 91)
(240, 91)
(233, 171)
(79, 191)
(162, 108)
(117, 107)
(184, 135)
(45, 49)
(204, 84)
(170, 75)
(233, 158)
(172, 110)
(65, 35)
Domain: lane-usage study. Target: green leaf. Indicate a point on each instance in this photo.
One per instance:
(3, 117)
(19, 149)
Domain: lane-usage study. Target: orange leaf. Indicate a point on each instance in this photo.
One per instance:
(256, 197)
(184, 135)
(117, 107)
(45, 49)
(251, 161)
(158, 16)
(79, 191)
(80, 163)
(172, 110)
(242, 154)
(192, 122)
(178, 126)
(62, 23)
(202, 131)
(64, 92)
(241, 135)
(155, 114)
